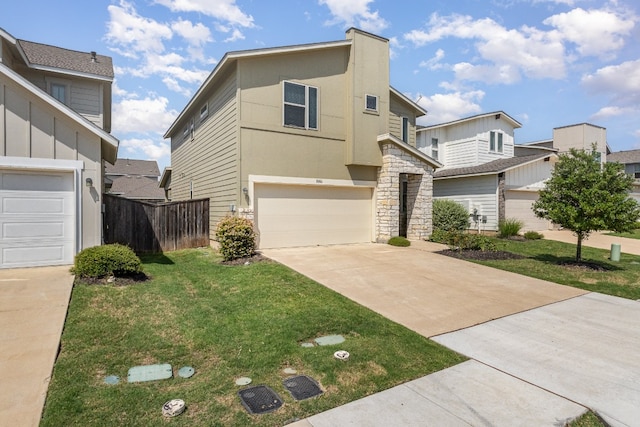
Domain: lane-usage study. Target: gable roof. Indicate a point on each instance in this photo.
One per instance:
(624, 157)
(137, 187)
(51, 58)
(408, 101)
(133, 167)
(497, 114)
(109, 143)
(388, 138)
(490, 168)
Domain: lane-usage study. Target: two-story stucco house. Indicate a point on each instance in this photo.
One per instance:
(310, 141)
(482, 172)
(55, 119)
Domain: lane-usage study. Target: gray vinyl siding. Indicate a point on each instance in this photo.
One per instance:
(479, 191)
(86, 100)
(209, 161)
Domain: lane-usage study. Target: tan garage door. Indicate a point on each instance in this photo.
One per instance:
(37, 218)
(298, 215)
(518, 205)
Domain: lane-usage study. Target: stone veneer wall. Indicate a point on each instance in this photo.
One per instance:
(396, 161)
(501, 197)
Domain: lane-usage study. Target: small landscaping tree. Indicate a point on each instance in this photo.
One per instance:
(584, 196)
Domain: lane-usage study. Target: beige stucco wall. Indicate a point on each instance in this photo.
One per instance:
(31, 128)
(581, 137)
(398, 109)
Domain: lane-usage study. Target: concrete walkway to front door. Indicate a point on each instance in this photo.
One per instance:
(33, 307)
(426, 292)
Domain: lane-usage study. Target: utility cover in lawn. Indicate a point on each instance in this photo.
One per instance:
(302, 387)
(260, 399)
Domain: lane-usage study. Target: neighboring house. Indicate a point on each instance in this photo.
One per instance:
(481, 171)
(581, 136)
(631, 161)
(309, 141)
(134, 179)
(55, 119)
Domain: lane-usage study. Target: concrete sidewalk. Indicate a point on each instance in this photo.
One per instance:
(597, 240)
(33, 307)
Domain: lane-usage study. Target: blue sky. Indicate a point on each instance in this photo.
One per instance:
(547, 63)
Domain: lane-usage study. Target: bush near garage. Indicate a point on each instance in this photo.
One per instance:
(236, 237)
(449, 215)
(106, 260)
(399, 241)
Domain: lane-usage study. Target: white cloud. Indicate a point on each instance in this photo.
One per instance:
(235, 35)
(614, 111)
(507, 53)
(223, 10)
(142, 115)
(446, 107)
(133, 33)
(621, 82)
(355, 13)
(595, 32)
(195, 35)
(434, 63)
(153, 150)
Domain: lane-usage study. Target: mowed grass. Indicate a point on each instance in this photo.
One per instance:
(226, 322)
(635, 234)
(545, 259)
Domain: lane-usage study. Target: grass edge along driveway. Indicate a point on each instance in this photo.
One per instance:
(226, 322)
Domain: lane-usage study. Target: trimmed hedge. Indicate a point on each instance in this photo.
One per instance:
(236, 237)
(106, 260)
(399, 241)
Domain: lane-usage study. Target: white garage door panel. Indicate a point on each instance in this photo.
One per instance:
(290, 215)
(37, 219)
(519, 204)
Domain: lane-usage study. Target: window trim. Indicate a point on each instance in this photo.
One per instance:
(204, 112)
(404, 135)
(366, 103)
(307, 106)
(496, 141)
(66, 84)
(435, 153)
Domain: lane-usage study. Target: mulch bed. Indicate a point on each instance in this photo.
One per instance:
(480, 255)
(247, 260)
(584, 266)
(113, 281)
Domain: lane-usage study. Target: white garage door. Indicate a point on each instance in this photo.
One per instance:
(518, 205)
(37, 219)
(297, 215)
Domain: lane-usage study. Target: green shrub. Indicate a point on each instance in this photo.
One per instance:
(509, 227)
(439, 236)
(533, 235)
(460, 241)
(449, 215)
(399, 241)
(106, 260)
(236, 237)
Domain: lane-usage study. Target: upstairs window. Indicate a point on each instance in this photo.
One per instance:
(59, 92)
(371, 103)
(434, 148)
(204, 112)
(405, 129)
(300, 106)
(495, 142)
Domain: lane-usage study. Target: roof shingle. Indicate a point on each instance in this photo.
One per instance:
(133, 167)
(495, 166)
(65, 59)
(624, 157)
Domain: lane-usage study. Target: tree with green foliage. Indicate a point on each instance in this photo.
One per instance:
(584, 195)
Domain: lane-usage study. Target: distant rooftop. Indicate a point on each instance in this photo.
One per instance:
(137, 187)
(147, 168)
(495, 166)
(629, 156)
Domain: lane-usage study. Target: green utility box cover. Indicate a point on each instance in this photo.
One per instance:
(150, 373)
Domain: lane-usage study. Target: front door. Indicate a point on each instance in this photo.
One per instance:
(403, 205)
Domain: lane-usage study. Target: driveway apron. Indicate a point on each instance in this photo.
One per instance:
(33, 307)
(424, 291)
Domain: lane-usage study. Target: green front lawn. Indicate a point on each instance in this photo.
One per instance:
(543, 259)
(227, 322)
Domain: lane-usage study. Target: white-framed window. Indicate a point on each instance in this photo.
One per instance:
(300, 105)
(434, 148)
(495, 142)
(204, 112)
(405, 129)
(60, 92)
(371, 102)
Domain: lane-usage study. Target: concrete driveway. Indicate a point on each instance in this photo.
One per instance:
(33, 307)
(426, 292)
(551, 352)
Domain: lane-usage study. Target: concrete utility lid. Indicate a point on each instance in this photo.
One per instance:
(330, 340)
(112, 379)
(186, 372)
(150, 373)
(289, 371)
(243, 381)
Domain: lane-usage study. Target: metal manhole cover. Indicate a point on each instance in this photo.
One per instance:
(259, 399)
(302, 387)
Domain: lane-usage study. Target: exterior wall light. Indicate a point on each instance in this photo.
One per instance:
(89, 182)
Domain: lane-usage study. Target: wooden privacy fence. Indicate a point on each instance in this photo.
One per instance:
(156, 227)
